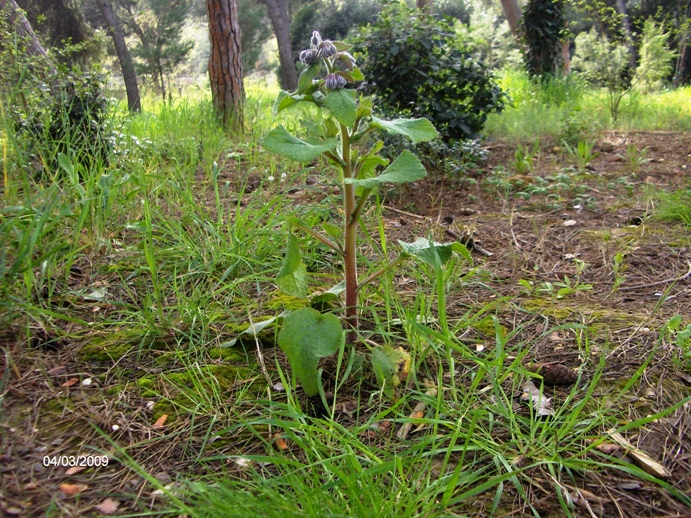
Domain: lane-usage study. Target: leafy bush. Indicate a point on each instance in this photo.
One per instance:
(50, 110)
(656, 63)
(419, 67)
(331, 20)
(543, 25)
(67, 117)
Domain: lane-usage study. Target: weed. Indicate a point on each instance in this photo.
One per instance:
(675, 206)
(582, 154)
(636, 157)
(523, 157)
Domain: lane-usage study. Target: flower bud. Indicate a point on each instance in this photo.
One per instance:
(346, 60)
(309, 56)
(334, 81)
(327, 49)
(316, 39)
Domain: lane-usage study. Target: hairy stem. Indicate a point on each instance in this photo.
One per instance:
(350, 244)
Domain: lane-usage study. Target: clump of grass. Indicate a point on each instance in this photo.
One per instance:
(566, 109)
(676, 205)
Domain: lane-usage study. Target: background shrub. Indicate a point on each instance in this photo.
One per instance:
(419, 67)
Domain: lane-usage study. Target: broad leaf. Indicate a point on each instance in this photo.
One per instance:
(307, 336)
(292, 279)
(406, 168)
(282, 143)
(254, 329)
(356, 74)
(343, 105)
(417, 130)
(332, 294)
(425, 250)
(310, 73)
(333, 230)
(286, 100)
(391, 366)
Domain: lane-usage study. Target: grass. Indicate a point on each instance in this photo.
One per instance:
(166, 250)
(568, 110)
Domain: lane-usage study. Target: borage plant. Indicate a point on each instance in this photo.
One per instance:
(328, 82)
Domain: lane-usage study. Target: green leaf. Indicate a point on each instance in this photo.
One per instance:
(417, 130)
(369, 166)
(310, 73)
(343, 105)
(331, 128)
(292, 279)
(391, 366)
(342, 46)
(332, 293)
(406, 168)
(307, 336)
(426, 250)
(286, 100)
(356, 74)
(281, 142)
(333, 230)
(254, 329)
(65, 162)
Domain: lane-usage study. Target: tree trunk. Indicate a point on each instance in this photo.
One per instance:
(513, 14)
(161, 79)
(621, 7)
(680, 74)
(280, 20)
(424, 5)
(225, 63)
(17, 21)
(128, 74)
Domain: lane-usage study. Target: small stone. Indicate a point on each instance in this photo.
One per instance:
(86, 382)
(570, 222)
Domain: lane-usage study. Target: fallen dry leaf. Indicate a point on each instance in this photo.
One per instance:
(281, 443)
(160, 422)
(70, 382)
(74, 470)
(644, 461)
(72, 489)
(108, 506)
(56, 371)
(541, 404)
(608, 448)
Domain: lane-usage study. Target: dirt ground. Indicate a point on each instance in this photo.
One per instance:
(562, 232)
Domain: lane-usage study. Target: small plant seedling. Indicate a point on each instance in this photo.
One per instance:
(523, 157)
(618, 269)
(636, 157)
(582, 154)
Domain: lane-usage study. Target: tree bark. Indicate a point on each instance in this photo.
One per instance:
(225, 63)
(128, 73)
(16, 20)
(424, 5)
(280, 20)
(513, 14)
(621, 7)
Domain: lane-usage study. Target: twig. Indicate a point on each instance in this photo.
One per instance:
(658, 283)
(469, 242)
(260, 356)
(404, 430)
(405, 213)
